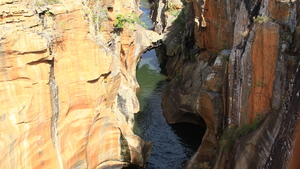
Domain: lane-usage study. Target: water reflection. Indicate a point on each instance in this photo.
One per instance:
(145, 17)
(172, 145)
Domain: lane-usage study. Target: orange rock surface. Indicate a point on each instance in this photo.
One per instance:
(262, 38)
(264, 56)
(215, 24)
(67, 96)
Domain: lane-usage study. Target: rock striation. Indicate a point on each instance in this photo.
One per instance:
(234, 63)
(67, 84)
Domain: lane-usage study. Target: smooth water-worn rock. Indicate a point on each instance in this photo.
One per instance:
(255, 80)
(67, 86)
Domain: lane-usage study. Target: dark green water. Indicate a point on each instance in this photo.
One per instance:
(172, 145)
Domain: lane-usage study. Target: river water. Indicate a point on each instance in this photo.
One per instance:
(172, 145)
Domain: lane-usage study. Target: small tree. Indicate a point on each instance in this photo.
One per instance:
(130, 18)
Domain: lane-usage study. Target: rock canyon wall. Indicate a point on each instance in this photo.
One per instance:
(67, 84)
(234, 67)
(67, 81)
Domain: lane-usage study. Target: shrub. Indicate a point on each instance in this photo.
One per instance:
(232, 133)
(172, 9)
(225, 58)
(130, 18)
(171, 6)
(181, 18)
(225, 44)
(99, 14)
(260, 19)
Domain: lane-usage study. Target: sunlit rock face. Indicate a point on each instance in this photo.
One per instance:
(67, 85)
(230, 62)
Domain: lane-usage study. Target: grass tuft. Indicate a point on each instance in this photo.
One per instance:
(232, 133)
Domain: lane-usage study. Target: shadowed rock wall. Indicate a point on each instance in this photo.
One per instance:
(230, 63)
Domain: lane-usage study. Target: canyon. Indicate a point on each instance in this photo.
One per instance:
(234, 68)
(68, 85)
(68, 81)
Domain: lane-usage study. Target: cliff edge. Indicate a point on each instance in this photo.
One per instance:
(67, 84)
(233, 67)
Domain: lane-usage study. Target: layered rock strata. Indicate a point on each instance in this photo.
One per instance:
(67, 85)
(234, 63)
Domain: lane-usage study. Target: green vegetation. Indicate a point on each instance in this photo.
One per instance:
(181, 20)
(62, 24)
(232, 133)
(175, 13)
(46, 2)
(130, 19)
(95, 13)
(99, 14)
(225, 44)
(258, 84)
(48, 13)
(172, 9)
(224, 58)
(260, 19)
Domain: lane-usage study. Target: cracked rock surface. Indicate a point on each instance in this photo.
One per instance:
(67, 88)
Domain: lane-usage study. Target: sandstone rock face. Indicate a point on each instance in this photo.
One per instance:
(230, 88)
(67, 85)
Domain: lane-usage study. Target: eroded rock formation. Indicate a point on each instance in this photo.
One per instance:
(230, 63)
(67, 85)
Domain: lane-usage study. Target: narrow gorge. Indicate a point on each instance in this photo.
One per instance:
(193, 84)
(233, 65)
